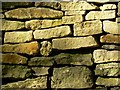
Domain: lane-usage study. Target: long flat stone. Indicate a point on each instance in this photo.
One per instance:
(74, 12)
(101, 56)
(31, 48)
(108, 7)
(110, 38)
(29, 13)
(111, 47)
(18, 37)
(52, 32)
(109, 14)
(88, 28)
(74, 43)
(111, 27)
(81, 5)
(102, 1)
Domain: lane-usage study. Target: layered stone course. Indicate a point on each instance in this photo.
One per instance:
(60, 45)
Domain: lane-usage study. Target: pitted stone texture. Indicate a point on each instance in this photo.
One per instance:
(72, 19)
(10, 58)
(54, 5)
(118, 9)
(108, 81)
(52, 32)
(72, 77)
(110, 38)
(8, 25)
(16, 72)
(109, 69)
(38, 24)
(81, 5)
(88, 28)
(111, 27)
(75, 12)
(111, 47)
(109, 14)
(118, 19)
(74, 43)
(30, 13)
(35, 83)
(108, 7)
(101, 56)
(31, 48)
(18, 37)
(46, 48)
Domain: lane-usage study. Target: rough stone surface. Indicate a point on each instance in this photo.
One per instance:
(74, 43)
(2, 16)
(72, 19)
(40, 71)
(38, 24)
(102, 55)
(72, 77)
(111, 47)
(108, 7)
(16, 72)
(31, 48)
(109, 38)
(118, 9)
(8, 25)
(111, 27)
(109, 69)
(102, 1)
(54, 5)
(110, 14)
(108, 81)
(118, 19)
(46, 48)
(36, 83)
(115, 88)
(81, 5)
(88, 28)
(10, 58)
(74, 12)
(29, 13)
(18, 37)
(52, 32)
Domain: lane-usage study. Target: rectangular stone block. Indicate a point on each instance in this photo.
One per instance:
(111, 27)
(101, 56)
(118, 19)
(72, 19)
(118, 9)
(18, 37)
(31, 48)
(74, 12)
(111, 47)
(110, 38)
(88, 28)
(110, 14)
(108, 7)
(52, 32)
(74, 43)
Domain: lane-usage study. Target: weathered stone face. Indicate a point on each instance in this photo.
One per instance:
(108, 7)
(102, 1)
(29, 13)
(52, 32)
(102, 55)
(73, 43)
(72, 77)
(2, 16)
(110, 14)
(18, 37)
(118, 9)
(111, 47)
(118, 19)
(36, 83)
(74, 12)
(88, 28)
(13, 59)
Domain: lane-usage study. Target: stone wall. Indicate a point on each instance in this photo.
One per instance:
(60, 45)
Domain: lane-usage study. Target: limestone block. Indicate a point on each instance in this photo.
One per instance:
(8, 25)
(74, 42)
(110, 38)
(31, 48)
(118, 9)
(88, 28)
(81, 5)
(74, 12)
(18, 37)
(30, 13)
(108, 7)
(52, 32)
(10, 58)
(72, 77)
(111, 27)
(109, 14)
(118, 19)
(38, 24)
(111, 47)
(101, 56)
(72, 19)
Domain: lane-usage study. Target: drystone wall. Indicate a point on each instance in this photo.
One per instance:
(60, 45)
